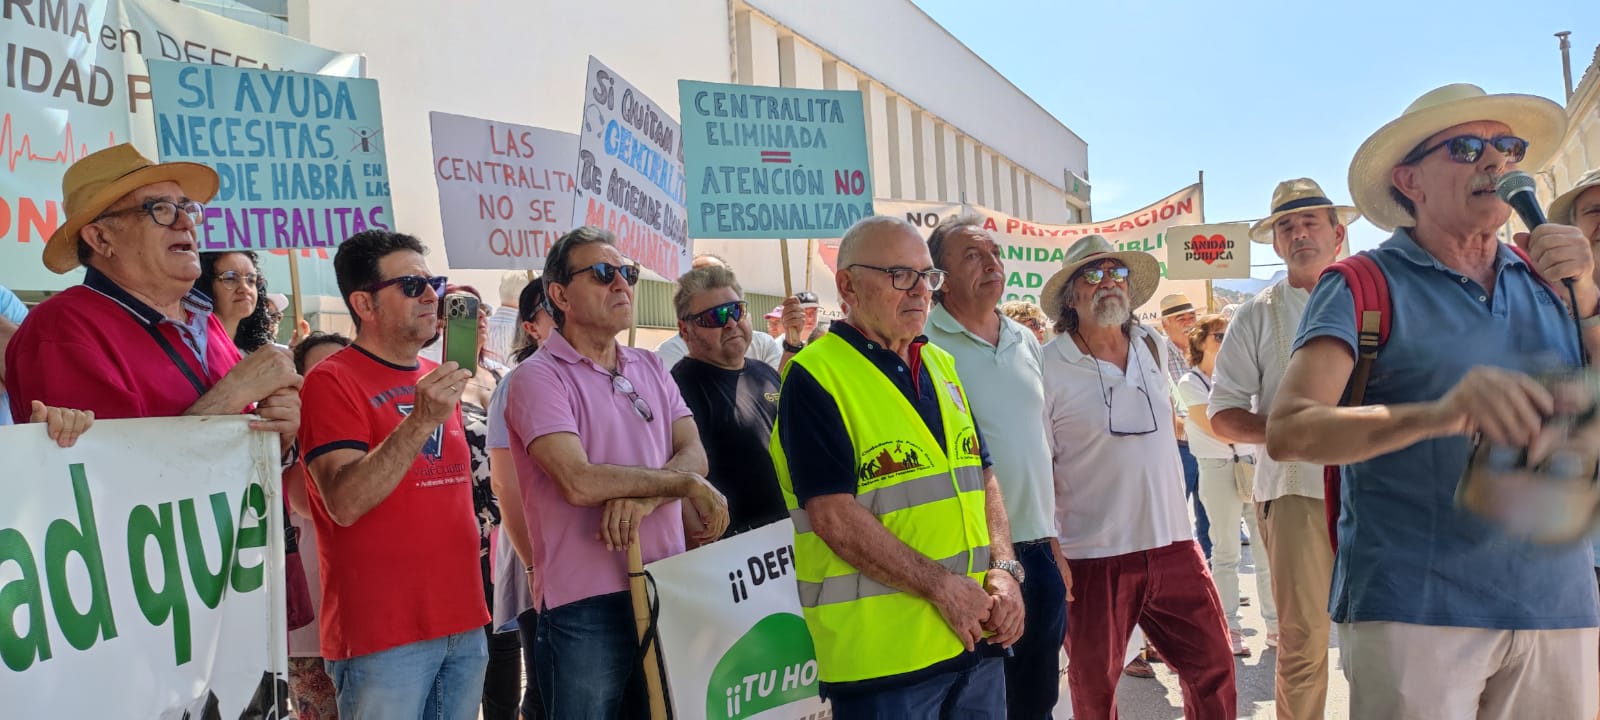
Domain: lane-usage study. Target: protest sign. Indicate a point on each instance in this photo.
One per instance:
(767, 162)
(630, 173)
(300, 157)
(732, 637)
(505, 191)
(141, 572)
(1033, 251)
(76, 82)
(1209, 252)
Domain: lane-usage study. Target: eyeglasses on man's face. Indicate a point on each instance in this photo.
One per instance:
(163, 212)
(606, 273)
(718, 316)
(412, 286)
(904, 278)
(1466, 149)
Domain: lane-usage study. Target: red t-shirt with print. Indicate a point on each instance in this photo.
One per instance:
(408, 570)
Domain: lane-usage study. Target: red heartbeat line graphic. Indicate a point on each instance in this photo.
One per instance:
(774, 156)
(15, 150)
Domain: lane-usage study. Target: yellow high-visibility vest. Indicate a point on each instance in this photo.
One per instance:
(933, 501)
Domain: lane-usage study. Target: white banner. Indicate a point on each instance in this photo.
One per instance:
(505, 191)
(630, 173)
(75, 81)
(1033, 252)
(1209, 252)
(732, 637)
(141, 572)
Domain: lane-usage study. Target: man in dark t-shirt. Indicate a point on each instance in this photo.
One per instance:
(734, 402)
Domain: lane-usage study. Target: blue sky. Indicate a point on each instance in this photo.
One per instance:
(1255, 92)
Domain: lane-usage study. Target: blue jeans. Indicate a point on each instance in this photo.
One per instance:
(976, 693)
(438, 679)
(585, 657)
(1191, 490)
(1033, 672)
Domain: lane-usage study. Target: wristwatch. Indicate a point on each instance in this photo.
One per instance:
(1010, 566)
(792, 348)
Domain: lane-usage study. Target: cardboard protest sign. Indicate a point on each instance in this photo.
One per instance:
(630, 173)
(505, 191)
(143, 572)
(766, 162)
(300, 156)
(1209, 252)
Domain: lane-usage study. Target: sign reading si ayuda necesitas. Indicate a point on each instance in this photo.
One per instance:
(766, 162)
(300, 157)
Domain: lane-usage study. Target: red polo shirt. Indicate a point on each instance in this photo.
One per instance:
(90, 348)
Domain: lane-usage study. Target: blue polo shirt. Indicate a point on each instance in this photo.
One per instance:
(1407, 553)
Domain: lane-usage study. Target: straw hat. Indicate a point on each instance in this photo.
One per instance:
(1561, 210)
(1298, 195)
(1539, 121)
(102, 178)
(1144, 273)
(1176, 304)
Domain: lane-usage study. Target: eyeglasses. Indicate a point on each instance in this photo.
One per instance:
(1095, 276)
(719, 316)
(1468, 148)
(904, 278)
(412, 285)
(232, 278)
(163, 212)
(621, 385)
(606, 272)
(1122, 410)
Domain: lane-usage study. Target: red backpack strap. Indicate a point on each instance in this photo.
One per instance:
(1370, 291)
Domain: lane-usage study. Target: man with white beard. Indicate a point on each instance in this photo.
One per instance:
(1125, 534)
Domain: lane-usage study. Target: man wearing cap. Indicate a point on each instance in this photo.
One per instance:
(1119, 506)
(763, 347)
(1444, 614)
(1177, 316)
(905, 568)
(133, 341)
(998, 359)
(1580, 206)
(1307, 230)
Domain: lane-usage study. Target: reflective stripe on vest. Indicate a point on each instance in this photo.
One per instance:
(924, 484)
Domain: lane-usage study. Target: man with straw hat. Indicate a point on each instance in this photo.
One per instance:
(134, 340)
(1119, 490)
(1443, 614)
(1307, 230)
(1177, 316)
(1580, 206)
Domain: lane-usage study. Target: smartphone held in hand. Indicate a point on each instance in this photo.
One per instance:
(461, 329)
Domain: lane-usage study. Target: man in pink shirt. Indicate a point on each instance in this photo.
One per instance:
(610, 450)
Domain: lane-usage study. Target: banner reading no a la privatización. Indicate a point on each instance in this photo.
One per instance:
(141, 572)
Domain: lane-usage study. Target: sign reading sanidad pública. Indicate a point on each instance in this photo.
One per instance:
(767, 162)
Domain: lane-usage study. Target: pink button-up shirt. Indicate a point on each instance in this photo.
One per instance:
(557, 390)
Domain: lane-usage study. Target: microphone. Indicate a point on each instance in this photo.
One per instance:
(1517, 189)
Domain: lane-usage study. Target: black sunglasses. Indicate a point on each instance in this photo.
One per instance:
(1467, 149)
(606, 272)
(412, 285)
(720, 315)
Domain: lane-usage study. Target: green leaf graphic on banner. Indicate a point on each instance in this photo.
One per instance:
(772, 665)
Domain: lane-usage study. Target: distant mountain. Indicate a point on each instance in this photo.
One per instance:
(1231, 292)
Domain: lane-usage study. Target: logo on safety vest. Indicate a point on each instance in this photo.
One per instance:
(955, 396)
(967, 443)
(890, 458)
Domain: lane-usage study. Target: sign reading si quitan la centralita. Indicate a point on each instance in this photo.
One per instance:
(766, 162)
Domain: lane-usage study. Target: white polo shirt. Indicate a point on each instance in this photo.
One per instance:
(1115, 494)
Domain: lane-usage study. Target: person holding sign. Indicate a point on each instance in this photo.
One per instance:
(605, 449)
(907, 577)
(998, 360)
(135, 340)
(1119, 490)
(390, 483)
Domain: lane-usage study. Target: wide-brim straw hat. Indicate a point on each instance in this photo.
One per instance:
(1299, 195)
(1539, 121)
(1144, 273)
(1561, 210)
(100, 179)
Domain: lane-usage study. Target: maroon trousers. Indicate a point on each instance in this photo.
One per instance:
(1169, 593)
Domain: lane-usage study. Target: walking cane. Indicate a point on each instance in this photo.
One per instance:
(641, 622)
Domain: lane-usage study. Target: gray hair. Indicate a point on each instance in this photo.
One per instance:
(700, 280)
(858, 233)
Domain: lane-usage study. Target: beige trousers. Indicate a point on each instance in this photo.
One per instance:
(1294, 530)
(1425, 672)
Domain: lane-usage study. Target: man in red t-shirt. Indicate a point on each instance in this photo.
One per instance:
(135, 340)
(391, 497)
